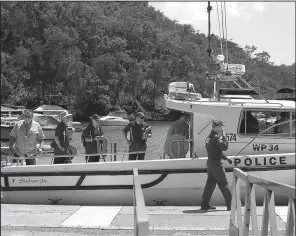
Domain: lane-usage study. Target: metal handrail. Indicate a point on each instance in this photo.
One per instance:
(236, 102)
(251, 87)
(239, 226)
(141, 223)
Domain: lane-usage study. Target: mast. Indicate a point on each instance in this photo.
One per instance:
(210, 50)
(209, 8)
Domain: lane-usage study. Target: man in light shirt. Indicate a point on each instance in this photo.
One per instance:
(180, 126)
(26, 138)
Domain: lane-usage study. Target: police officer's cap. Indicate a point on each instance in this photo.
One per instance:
(95, 117)
(141, 114)
(217, 123)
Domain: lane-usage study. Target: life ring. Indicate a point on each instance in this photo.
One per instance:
(101, 145)
(176, 146)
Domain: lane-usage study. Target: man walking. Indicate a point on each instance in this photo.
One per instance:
(139, 132)
(26, 138)
(216, 143)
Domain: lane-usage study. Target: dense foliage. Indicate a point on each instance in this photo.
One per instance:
(106, 55)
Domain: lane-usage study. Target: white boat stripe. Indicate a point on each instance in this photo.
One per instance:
(92, 217)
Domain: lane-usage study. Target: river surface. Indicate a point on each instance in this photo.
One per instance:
(114, 134)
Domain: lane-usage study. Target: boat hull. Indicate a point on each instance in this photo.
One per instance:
(168, 182)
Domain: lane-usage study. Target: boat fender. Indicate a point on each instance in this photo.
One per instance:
(176, 146)
(101, 145)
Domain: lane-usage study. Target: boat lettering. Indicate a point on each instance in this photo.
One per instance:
(261, 161)
(262, 147)
(30, 181)
(231, 137)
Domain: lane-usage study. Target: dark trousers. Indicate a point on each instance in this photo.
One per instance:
(93, 159)
(29, 162)
(216, 175)
(92, 148)
(137, 148)
(61, 160)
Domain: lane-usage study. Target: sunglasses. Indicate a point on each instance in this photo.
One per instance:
(142, 118)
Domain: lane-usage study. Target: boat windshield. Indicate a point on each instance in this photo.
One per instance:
(254, 122)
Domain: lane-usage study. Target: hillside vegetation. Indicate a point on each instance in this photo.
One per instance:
(111, 55)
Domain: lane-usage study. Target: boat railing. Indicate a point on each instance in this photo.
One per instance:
(141, 223)
(8, 161)
(240, 225)
(235, 103)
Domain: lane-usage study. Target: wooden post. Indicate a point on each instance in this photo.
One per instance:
(239, 209)
(114, 151)
(247, 209)
(253, 210)
(272, 215)
(265, 217)
(290, 217)
(111, 149)
(233, 230)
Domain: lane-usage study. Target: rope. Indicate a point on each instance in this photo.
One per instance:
(219, 24)
(226, 34)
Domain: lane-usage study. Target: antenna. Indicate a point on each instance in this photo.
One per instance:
(209, 8)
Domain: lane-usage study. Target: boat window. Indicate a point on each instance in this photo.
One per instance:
(255, 122)
(46, 120)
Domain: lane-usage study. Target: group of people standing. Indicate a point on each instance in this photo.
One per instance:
(27, 135)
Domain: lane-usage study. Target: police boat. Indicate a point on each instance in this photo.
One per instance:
(261, 135)
(266, 150)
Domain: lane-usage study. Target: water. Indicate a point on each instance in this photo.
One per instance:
(114, 134)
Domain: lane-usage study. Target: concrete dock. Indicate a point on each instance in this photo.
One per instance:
(62, 220)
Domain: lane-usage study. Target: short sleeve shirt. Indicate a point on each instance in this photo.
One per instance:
(136, 132)
(26, 140)
(63, 135)
(178, 128)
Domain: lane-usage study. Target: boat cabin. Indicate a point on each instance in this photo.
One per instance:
(253, 126)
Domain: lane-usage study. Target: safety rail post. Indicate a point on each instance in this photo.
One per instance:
(141, 223)
(236, 229)
(115, 150)
(269, 216)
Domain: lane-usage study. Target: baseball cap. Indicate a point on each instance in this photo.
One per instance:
(65, 114)
(95, 117)
(217, 123)
(141, 114)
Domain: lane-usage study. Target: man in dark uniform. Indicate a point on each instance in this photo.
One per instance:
(139, 132)
(216, 143)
